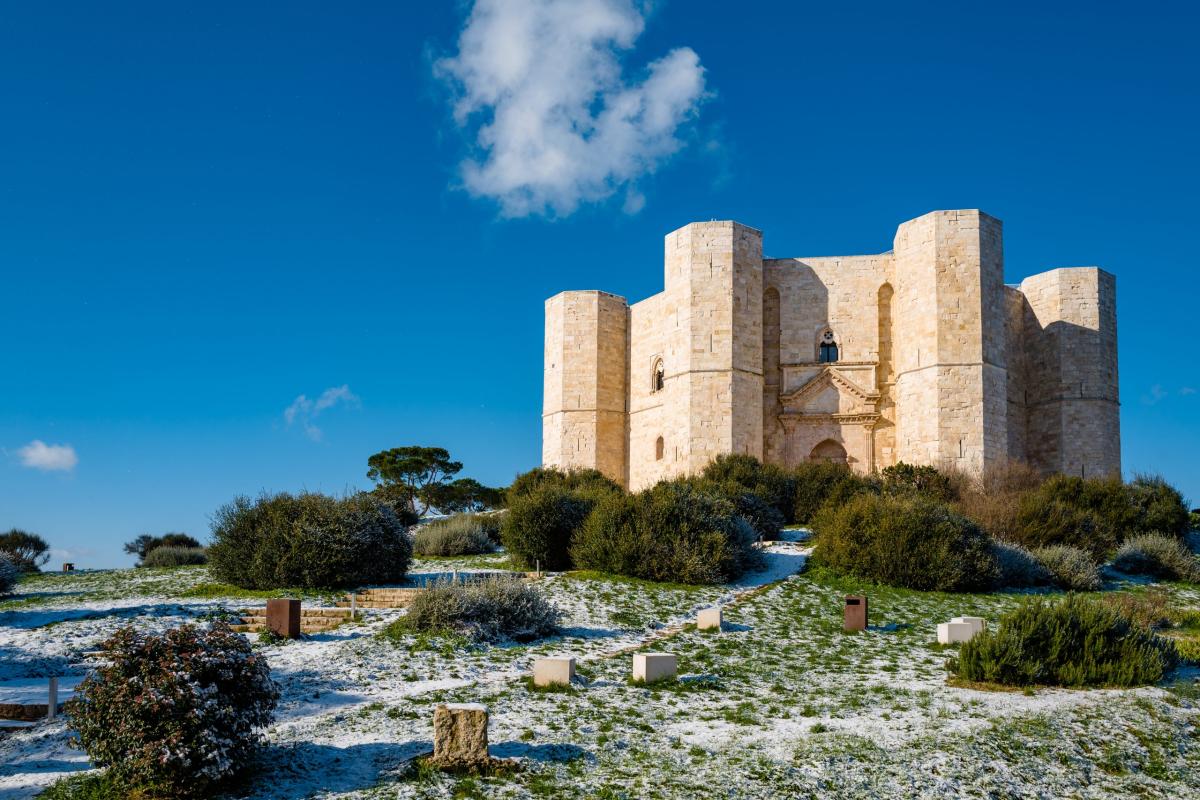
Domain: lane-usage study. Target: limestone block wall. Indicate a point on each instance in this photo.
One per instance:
(950, 318)
(1015, 306)
(585, 385)
(1073, 398)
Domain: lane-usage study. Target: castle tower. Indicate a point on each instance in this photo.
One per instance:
(714, 281)
(585, 383)
(950, 359)
(1072, 400)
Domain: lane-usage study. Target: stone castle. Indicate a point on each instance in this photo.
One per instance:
(921, 355)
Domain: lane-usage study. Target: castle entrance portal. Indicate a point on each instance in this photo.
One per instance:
(829, 451)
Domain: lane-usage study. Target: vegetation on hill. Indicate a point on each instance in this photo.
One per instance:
(417, 479)
(27, 551)
(459, 535)
(145, 544)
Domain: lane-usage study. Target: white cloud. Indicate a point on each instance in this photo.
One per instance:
(48, 457)
(557, 122)
(304, 411)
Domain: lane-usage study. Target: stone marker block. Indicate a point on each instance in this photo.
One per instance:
(651, 667)
(460, 734)
(709, 619)
(856, 612)
(977, 623)
(554, 670)
(954, 632)
(283, 617)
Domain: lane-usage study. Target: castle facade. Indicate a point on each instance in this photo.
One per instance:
(921, 355)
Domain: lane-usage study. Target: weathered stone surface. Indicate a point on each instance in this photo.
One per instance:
(651, 667)
(460, 735)
(955, 632)
(709, 619)
(938, 361)
(977, 623)
(855, 617)
(554, 670)
(283, 617)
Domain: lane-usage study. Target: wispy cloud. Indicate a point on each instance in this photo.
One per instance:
(304, 411)
(1185, 391)
(48, 457)
(558, 123)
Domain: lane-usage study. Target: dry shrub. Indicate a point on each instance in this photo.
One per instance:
(1150, 609)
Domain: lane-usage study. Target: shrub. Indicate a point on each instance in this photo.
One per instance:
(1076, 641)
(177, 710)
(1158, 556)
(815, 482)
(8, 574)
(911, 542)
(308, 541)
(27, 551)
(1071, 567)
(771, 484)
(674, 531)
(488, 610)
(1194, 519)
(175, 557)
(460, 535)
(764, 518)
(1158, 506)
(590, 482)
(1150, 609)
(142, 545)
(923, 480)
(1017, 567)
(993, 500)
(540, 525)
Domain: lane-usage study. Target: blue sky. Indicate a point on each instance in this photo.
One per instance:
(210, 211)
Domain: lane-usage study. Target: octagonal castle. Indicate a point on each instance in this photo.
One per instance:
(921, 355)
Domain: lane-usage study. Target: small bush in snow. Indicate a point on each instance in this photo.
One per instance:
(168, 556)
(1076, 641)
(1158, 556)
(8, 574)
(175, 712)
(460, 535)
(309, 541)
(1018, 567)
(1072, 568)
(492, 609)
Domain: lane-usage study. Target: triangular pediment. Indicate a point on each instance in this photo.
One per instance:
(829, 392)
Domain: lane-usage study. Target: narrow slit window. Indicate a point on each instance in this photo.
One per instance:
(659, 378)
(659, 447)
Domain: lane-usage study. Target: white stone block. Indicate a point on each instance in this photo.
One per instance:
(709, 619)
(651, 667)
(977, 623)
(554, 670)
(952, 632)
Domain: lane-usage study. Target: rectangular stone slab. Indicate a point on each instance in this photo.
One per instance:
(856, 612)
(954, 632)
(283, 617)
(554, 670)
(651, 667)
(977, 623)
(709, 619)
(460, 733)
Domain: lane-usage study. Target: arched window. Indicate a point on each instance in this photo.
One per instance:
(658, 377)
(828, 349)
(659, 447)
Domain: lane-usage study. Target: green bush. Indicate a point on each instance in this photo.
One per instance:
(541, 523)
(674, 531)
(175, 557)
(816, 481)
(9, 574)
(490, 610)
(1158, 506)
(911, 542)
(771, 484)
(1018, 568)
(177, 712)
(589, 482)
(1074, 642)
(908, 479)
(763, 517)
(1158, 556)
(1194, 519)
(460, 535)
(308, 541)
(142, 545)
(27, 551)
(1071, 567)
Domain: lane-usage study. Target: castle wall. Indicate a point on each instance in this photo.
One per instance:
(938, 361)
(1073, 408)
(585, 385)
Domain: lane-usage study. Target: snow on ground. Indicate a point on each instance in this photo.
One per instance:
(782, 703)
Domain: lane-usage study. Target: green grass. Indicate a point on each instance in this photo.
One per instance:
(211, 591)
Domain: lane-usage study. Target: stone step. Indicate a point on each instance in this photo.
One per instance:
(305, 613)
(365, 604)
